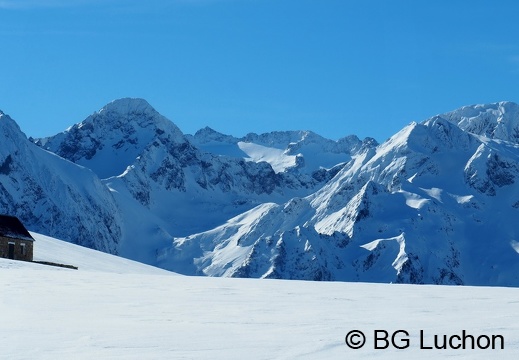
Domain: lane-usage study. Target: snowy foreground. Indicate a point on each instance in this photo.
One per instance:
(112, 308)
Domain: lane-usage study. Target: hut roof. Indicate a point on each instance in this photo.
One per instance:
(12, 227)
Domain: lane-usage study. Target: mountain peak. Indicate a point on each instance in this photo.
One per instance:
(9, 127)
(128, 106)
(126, 114)
(207, 135)
(110, 140)
(496, 120)
(4, 116)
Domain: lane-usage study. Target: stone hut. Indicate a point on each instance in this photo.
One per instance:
(15, 241)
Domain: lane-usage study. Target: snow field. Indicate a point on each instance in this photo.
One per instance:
(275, 157)
(114, 308)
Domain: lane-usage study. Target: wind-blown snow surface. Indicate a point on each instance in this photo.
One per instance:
(60, 252)
(113, 308)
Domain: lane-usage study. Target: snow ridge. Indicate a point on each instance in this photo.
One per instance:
(302, 152)
(498, 121)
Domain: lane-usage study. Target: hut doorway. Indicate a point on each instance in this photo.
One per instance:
(11, 251)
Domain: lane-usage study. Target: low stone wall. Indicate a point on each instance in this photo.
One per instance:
(56, 264)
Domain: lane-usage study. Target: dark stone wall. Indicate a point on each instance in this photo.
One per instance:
(19, 254)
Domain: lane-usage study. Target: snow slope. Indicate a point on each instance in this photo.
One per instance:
(116, 309)
(54, 196)
(61, 252)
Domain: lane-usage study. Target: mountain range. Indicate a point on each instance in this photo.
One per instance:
(433, 204)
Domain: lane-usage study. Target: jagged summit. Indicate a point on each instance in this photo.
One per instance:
(134, 112)
(496, 121)
(208, 135)
(10, 128)
(281, 137)
(471, 111)
(5, 117)
(128, 106)
(110, 140)
(129, 115)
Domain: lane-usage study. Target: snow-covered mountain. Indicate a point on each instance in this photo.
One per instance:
(54, 196)
(166, 184)
(295, 151)
(496, 121)
(435, 203)
(111, 139)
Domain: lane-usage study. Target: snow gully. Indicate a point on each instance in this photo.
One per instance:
(464, 341)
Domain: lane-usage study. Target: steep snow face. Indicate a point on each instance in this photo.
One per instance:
(433, 204)
(54, 196)
(111, 139)
(264, 242)
(498, 121)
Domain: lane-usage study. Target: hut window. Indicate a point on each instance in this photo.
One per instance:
(22, 249)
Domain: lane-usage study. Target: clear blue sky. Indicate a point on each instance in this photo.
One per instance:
(336, 67)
